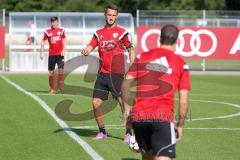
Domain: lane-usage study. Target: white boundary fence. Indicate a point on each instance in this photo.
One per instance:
(197, 18)
(79, 27)
(2, 23)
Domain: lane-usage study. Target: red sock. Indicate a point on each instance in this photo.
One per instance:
(51, 82)
(60, 80)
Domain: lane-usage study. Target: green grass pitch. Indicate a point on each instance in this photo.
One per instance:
(29, 133)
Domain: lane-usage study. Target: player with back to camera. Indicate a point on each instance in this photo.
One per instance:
(111, 40)
(159, 73)
(57, 44)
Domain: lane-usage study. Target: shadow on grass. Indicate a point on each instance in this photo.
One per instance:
(86, 132)
(39, 92)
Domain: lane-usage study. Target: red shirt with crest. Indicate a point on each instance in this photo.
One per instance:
(54, 37)
(111, 43)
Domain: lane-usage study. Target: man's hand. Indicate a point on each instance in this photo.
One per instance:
(41, 55)
(182, 112)
(85, 52)
(64, 41)
(42, 49)
(179, 132)
(132, 55)
(63, 53)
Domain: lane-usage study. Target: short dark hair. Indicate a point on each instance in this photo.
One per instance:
(112, 7)
(54, 18)
(169, 34)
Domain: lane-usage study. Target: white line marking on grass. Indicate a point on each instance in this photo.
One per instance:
(121, 127)
(204, 95)
(218, 117)
(216, 95)
(59, 95)
(61, 123)
(230, 129)
(196, 119)
(96, 127)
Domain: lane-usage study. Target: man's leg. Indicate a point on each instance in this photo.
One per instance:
(147, 156)
(96, 102)
(60, 63)
(161, 158)
(128, 132)
(115, 83)
(120, 101)
(100, 94)
(51, 81)
(60, 80)
(51, 67)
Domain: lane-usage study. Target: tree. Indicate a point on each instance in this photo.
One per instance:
(233, 4)
(125, 5)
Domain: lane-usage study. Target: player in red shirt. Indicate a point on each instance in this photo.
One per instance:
(111, 40)
(159, 73)
(57, 44)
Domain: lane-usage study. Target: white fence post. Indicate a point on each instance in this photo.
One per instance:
(4, 24)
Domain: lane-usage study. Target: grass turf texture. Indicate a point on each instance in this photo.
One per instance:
(28, 132)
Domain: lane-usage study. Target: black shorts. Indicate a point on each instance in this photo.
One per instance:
(106, 83)
(156, 136)
(53, 60)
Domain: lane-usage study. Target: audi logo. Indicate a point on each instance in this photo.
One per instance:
(195, 42)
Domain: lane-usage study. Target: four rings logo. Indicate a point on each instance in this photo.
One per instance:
(195, 42)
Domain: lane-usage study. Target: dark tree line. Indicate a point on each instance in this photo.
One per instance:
(125, 5)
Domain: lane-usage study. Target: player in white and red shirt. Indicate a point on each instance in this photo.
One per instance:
(111, 40)
(159, 73)
(57, 44)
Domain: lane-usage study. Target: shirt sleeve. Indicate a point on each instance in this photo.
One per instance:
(185, 78)
(94, 41)
(63, 34)
(126, 42)
(45, 37)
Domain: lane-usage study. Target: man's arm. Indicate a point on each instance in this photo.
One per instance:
(126, 42)
(64, 41)
(126, 98)
(90, 47)
(86, 51)
(42, 48)
(182, 111)
(132, 54)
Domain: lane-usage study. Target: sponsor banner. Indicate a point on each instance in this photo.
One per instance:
(2, 42)
(196, 42)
